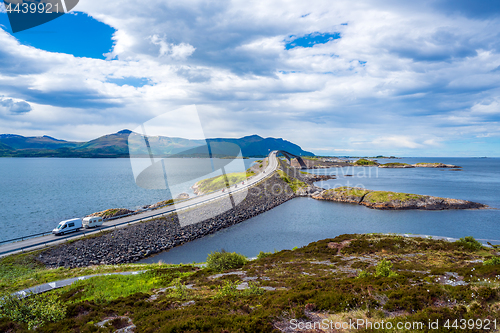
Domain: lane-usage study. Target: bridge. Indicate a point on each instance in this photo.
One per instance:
(43, 241)
(289, 157)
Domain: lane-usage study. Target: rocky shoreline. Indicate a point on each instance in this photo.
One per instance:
(140, 240)
(393, 200)
(137, 241)
(418, 165)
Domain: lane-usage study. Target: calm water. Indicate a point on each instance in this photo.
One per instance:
(37, 193)
(302, 220)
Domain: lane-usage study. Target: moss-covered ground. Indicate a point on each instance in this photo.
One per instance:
(351, 191)
(364, 161)
(385, 196)
(22, 271)
(394, 164)
(294, 183)
(432, 280)
(220, 182)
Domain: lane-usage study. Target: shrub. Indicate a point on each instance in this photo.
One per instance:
(34, 310)
(253, 289)
(469, 243)
(363, 274)
(364, 161)
(179, 290)
(384, 269)
(492, 261)
(263, 254)
(220, 261)
(227, 290)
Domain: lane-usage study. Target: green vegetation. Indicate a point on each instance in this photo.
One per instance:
(492, 261)
(373, 277)
(493, 246)
(220, 182)
(469, 243)
(363, 274)
(423, 163)
(364, 161)
(351, 191)
(384, 269)
(385, 196)
(294, 183)
(103, 289)
(263, 254)
(34, 311)
(221, 261)
(394, 164)
(21, 271)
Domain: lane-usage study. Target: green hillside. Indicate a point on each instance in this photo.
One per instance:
(117, 145)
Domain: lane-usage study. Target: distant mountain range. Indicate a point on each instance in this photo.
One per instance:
(116, 145)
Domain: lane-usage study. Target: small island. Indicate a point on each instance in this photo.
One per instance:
(393, 200)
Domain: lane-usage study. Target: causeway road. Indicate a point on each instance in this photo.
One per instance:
(43, 241)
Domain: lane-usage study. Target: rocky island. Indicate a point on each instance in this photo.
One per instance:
(419, 165)
(393, 200)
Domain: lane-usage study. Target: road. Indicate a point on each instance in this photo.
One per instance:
(40, 242)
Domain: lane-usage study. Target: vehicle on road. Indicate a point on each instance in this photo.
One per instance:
(67, 226)
(92, 222)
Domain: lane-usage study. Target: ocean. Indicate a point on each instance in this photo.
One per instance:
(301, 221)
(37, 193)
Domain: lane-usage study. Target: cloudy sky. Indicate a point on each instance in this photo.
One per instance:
(408, 78)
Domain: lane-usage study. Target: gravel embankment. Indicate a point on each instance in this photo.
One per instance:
(140, 240)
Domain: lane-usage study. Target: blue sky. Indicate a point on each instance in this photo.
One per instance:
(342, 78)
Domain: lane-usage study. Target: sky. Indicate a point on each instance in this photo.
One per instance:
(419, 78)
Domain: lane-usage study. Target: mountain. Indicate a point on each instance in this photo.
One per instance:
(117, 145)
(5, 148)
(255, 145)
(35, 142)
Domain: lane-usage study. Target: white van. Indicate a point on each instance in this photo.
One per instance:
(67, 226)
(92, 222)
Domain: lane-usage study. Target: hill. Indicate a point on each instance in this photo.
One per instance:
(366, 281)
(116, 145)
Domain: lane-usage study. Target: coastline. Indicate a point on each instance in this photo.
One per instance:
(140, 240)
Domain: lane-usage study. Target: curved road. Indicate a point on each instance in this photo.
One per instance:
(39, 242)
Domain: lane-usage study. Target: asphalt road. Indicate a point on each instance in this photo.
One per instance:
(40, 242)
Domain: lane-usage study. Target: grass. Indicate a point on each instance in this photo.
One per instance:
(294, 183)
(219, 182)
(385, 196)
(399, 284)
(22, 271)
(492, 261)
(113, 212)
(104, 289)
(351, 191)
(423, 163)
(395, 164)
(364, 161)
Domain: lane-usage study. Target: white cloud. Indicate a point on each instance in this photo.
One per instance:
(16, 107)
(403, 76)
